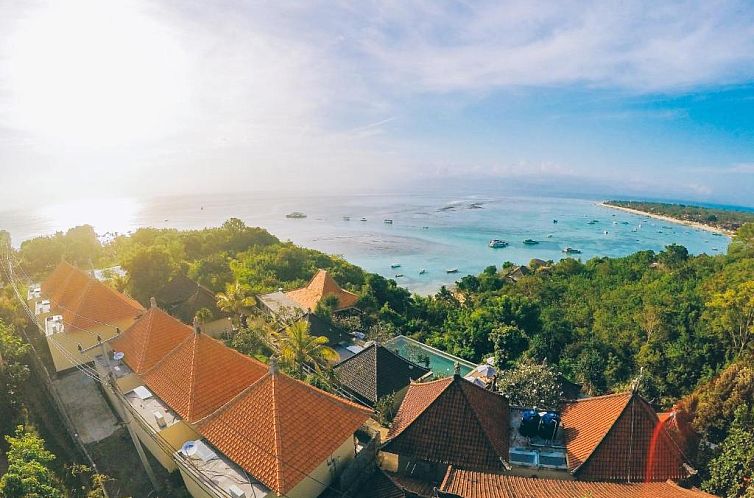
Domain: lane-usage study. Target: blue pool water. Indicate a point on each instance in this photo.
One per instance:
(442, 364)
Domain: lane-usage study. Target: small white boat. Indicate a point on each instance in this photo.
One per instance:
(388, 221)
(451, 270)
(571, 250)
(497, 243)
(363, 219)
(395, 265)
(422, 271)
(398, 275)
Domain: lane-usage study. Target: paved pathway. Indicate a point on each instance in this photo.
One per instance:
(86, 406)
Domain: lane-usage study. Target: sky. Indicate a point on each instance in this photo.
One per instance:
(133, 98)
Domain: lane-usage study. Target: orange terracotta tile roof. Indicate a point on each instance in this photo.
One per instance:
(200, 375)
(280, 429)
(619, 438)
(56, 280)
(451, 421)
(150, 338)
(470, 484)
(587, 421)
(84, 301)
(320, 286)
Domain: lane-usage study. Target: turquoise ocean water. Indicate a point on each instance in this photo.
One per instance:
(434, 232)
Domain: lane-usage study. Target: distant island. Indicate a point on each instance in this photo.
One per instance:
(720, 220)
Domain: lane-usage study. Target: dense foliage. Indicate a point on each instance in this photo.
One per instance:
(29, 474)
(683, 324)
(725, 219)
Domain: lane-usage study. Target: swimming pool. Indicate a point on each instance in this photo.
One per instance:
(441, 363)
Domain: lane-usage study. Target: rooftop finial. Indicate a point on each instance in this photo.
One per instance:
(197, 328)
(273, 364)
(152, 302)
(457, 369)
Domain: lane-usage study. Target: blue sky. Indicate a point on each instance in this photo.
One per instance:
(142, 98)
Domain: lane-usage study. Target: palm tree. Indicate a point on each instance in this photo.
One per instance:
(298, 347)
(234, 300)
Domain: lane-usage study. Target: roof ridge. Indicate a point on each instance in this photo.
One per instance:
(402, 358)
(419, 415)
(192, 376)
(330, 397)
(354, 356)
(276, 432)
(604, 436)
(150, 317)
(592, 398)
(226, 406)
(476, 413)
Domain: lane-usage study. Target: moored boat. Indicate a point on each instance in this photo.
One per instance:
(531, 242)
(451, 270)
(571, 250)
(422, 271)
(395, 265)
(497, 243)
(294, 215)
(388, 221)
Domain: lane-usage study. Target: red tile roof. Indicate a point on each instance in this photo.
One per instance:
(150, 338)
(320, 286)
(56, 280)
(280, 429)
(200, 375)
(619, 437)
(451, 421)
(470, 484)
(84, 301)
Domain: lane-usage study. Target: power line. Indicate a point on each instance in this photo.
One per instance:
(180, 388)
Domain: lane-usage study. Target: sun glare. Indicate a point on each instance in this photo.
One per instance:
(90, 72)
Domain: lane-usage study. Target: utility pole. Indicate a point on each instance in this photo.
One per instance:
(123, 412)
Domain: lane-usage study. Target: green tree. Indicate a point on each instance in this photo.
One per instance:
(298, 348)
(508, 343)
(531, 384)
(742, 245)
(149, 269)
(731, 472)
(29, 474)
(13, 372)
(732, 313)
(234, 300)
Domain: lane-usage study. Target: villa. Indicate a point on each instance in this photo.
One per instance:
(74, 309)
(306, 298)
(447, 435)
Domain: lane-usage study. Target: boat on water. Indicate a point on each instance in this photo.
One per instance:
(398, 275)
(554, 221)
(425, 228)
(605, 232)
(422, 271)
(593, 222)
(531, 242)
(549, 235)
(451, 270)
(497, 243)
(363, 219)
(296, 215)
(346, 218)
(571, 250)
(388, 221)
(395, 265)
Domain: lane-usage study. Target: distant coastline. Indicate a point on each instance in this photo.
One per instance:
(695, 224)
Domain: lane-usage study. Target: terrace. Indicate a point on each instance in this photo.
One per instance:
(203, 466)
(153, 412)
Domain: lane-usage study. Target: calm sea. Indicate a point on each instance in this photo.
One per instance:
(431, 232)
